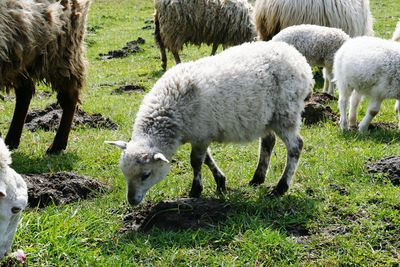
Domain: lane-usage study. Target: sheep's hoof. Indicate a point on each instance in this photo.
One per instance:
(256, 182)
(278, 190)
(54, 150)
(196, 190)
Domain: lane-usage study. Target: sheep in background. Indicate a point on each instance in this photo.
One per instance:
(216, 22)
(13, 199)
(371, 67)
(43, 42)
(352, 16)
(254, 90)
(318, 44)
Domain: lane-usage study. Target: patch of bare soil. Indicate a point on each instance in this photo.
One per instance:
(382, 126)
(131, 47)
(321, 98)
(175, 215)
(315, 112)
(49, 118)
(389, 167)
(60, 188)
(129, 88)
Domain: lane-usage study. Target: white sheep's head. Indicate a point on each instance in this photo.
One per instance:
(142, 165)
(13, 199)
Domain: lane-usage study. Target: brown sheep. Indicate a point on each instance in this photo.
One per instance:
(43, 41)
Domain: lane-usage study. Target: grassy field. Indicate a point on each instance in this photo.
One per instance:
(334, 213)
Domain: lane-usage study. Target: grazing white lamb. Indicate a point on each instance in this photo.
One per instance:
(318, 44)
(213, 22)
(371, 67)
(246, 92)
(13, 199)
(352, 16)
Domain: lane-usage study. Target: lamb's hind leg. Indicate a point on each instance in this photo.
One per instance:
(294, 145)
(267, 143)
(197, 157)
(372, 110)
(397, 108)
(23, 91)
(219, 177)
(68, 99)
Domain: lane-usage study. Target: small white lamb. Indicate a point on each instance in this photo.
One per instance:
(13, 199)
(370, 66)
(318, 44)
(246, 92)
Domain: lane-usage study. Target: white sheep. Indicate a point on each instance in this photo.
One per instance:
(213, 22)
(396, 33)
(371, 67)
(352, 16)
(318, 44)
(13, 199)
(246, 92)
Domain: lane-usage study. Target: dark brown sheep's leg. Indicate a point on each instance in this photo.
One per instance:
(68, 100)
(23, 91)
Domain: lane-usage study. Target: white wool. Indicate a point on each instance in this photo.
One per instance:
(370, 66)
(318, 44)
(352, 16)
(13, 194)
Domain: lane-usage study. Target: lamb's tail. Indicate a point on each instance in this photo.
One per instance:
(5, 155)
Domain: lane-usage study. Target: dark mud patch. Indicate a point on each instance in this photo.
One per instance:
(49, 118)
(130, 48)
(175, 215)
(340, 189)
(129, 88)
(382, 126)
(60, 188)
(322, 98)
(315, 112)
(388, 167)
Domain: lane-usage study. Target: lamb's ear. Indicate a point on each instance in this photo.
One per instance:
(159, 156)
(120, 144)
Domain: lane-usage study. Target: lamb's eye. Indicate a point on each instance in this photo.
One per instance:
(146, 175)
(15, 210)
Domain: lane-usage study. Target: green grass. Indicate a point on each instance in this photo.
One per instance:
(313, 224)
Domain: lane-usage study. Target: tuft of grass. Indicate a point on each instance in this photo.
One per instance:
(334, 213)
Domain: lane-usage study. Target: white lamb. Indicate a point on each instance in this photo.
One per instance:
(352, 16)
(246, 92)
(318, 44)
(13, 199)
(370, 66)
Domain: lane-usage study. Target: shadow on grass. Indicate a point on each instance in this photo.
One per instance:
(382, 136)
(285, 216)
(26, 163)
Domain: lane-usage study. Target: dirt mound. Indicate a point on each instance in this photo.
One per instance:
(60, 188)
(315, 112)
(389, 167)
(382, 126)
(129, 88)
(321, 98)
(174, 215)
(131, 47)
(49, 118)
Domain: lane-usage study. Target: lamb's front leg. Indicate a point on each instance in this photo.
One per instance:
(197, 157)
(397, 108)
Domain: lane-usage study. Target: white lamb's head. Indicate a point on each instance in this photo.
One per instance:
(13, 199)
(142, 165)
